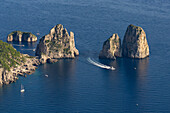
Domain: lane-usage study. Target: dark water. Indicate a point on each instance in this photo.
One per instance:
(74, 85)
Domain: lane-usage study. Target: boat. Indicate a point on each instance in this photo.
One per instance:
(46, 75)
(22, 88)
(112, 68)
(100, 65)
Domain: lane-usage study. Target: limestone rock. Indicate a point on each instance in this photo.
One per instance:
(19, 36)
(111, 48)
(57, 44)
(135, 44)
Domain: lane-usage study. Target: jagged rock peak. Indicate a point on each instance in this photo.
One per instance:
(20, 36)
(111, 48)
(57, 44)
(135, 44)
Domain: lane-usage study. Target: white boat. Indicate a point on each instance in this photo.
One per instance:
(22, 88)
(100, 65)
(46, 75)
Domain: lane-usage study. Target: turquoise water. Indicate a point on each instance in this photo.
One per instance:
(75, 85)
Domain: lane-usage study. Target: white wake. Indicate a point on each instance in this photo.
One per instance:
(29, 49)
(99, 64)
(17, 45)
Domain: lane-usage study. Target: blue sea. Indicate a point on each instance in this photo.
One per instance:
(75, 85)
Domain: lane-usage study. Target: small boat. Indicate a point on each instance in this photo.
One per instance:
(99, 64)
(22, 88)
(46, 75)
(112, 68)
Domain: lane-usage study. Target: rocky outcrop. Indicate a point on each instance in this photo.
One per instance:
(57, 44)
(111, 48)
(27, 67)
(19, 36)
(13, 63)
(135, 44)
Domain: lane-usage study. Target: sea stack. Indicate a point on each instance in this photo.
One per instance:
(57, 44)
(111, 48)
(20, 36)
(135, 44)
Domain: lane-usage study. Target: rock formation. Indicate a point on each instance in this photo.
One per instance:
(57, 44)
(135, 43)
(111, 48)
(13, 63)
(19, 36)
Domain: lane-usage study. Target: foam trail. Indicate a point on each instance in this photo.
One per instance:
(99, 64)
(17, 45)
(29, 49)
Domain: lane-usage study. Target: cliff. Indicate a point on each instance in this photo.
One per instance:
(19, 36)
(57, 44)
(111, 48)
(13, 63)
(135, 44)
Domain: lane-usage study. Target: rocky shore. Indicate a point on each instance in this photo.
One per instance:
(27, 67)
(53, 46)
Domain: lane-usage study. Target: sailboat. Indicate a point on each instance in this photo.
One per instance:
(22, 88)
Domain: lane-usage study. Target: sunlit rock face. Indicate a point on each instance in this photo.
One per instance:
(135, 44)
(57, 44)
(111, 48)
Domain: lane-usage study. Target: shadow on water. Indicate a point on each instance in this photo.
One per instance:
(130, 76)
(135, 67)
(135, 71)
(63, 68)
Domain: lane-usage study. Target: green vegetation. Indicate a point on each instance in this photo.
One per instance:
(9, 57)
(46, 41)
(20, 32)
(29, 57)
(66, 50)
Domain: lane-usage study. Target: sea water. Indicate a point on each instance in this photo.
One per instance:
(75, 85)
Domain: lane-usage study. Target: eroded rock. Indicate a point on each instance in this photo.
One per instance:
(19, 36)
(111, 48)
(135, 44)
(57, 44)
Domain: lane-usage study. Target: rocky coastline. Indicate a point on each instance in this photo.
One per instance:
(61, 44)
(25, 68)
(53, 46)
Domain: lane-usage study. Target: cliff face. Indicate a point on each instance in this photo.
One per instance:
(111, 48)
(13, 63)
(135, 44)
(19, 36)
(57, 44)
(26, 67)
